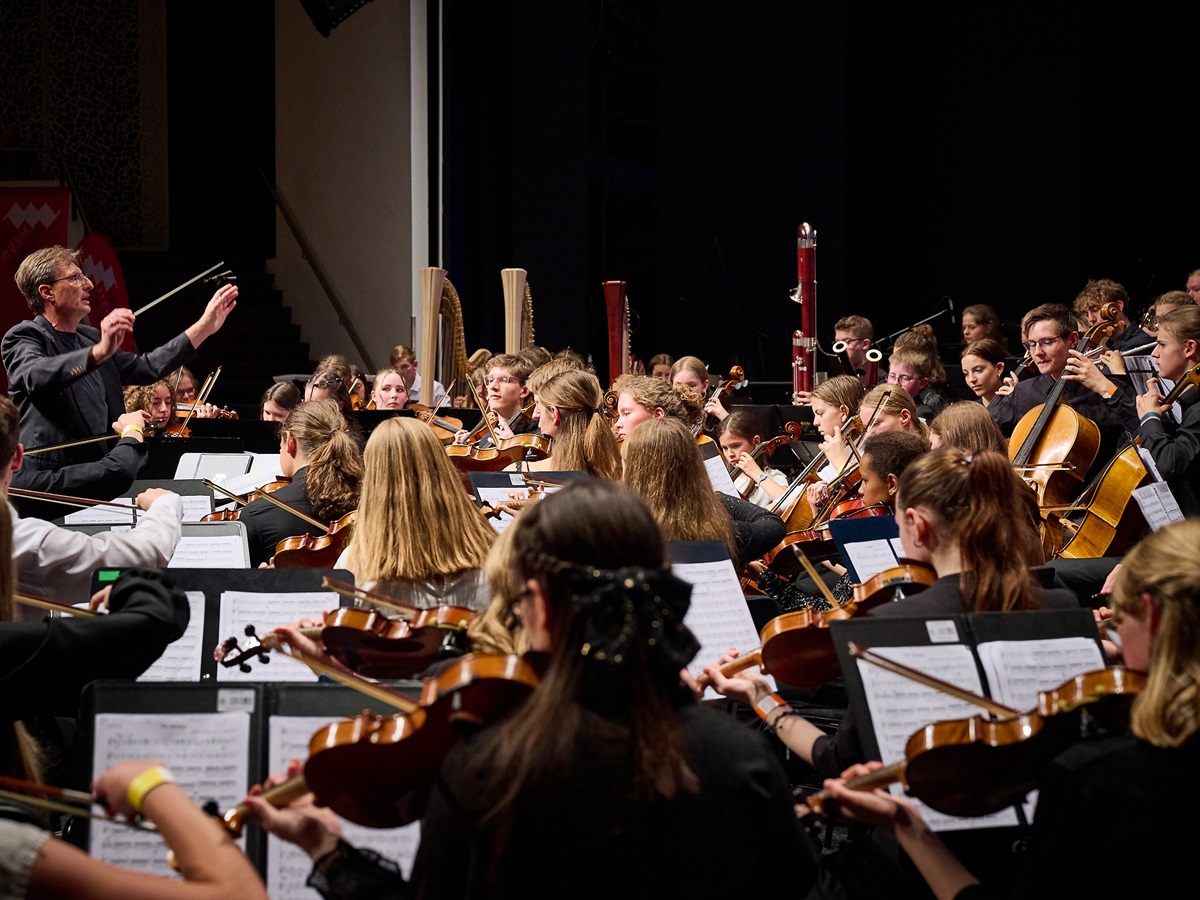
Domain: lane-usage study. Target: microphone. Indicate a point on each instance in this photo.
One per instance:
(953, 318)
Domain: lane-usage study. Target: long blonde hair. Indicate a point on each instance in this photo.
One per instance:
(414, 519)
(497, 629)
(584, 441)
(893, 400)
(664, 468)
(1166, 565)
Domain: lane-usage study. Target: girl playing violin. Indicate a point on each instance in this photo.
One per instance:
(325, 467)
(570, 410)
(834, 402)
(157, 403)
(1098, 792)
(740, 433)
(603, 772)
(409, 480)
(1175, 447)
(967, 425)
(644, 397)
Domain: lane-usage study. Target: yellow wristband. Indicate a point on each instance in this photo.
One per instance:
(128, 428)
(143, 784)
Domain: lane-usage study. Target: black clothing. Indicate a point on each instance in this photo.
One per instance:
(103, 479)
(1130, 339)
(44, 665)
(932, 400)
(60, 399)
(756, 529)
(1176, 452)
(268, 524)
(577, 834)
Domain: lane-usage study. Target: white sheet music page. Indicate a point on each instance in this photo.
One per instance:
(266, 611)
(718, 471)
(869, 558)
(1158, 505)
(181, 661)
(208, 753)
(287, 865)
(718, 616)
(1019, 670)
(103, 515)
(901, 707)
(225, 551)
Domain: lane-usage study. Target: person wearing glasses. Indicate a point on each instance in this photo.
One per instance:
(66, 377)
(507, 399)
(1105, 398)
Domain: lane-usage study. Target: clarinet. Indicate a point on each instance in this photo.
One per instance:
(804, 340)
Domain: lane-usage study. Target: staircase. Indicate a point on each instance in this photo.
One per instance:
(257, 342)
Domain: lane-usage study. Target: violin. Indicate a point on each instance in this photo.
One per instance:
(444, 427)
(817, 544)
(763, 450)
(184, 410)
(377, 770)
(231, 515)
(975, 766)
(907, 578)
(307, 551)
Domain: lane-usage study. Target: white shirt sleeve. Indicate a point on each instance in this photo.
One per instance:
(58, 563)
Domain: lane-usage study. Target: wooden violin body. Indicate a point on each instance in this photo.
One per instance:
(907, 578)
(444, 427)
(374, 645)
(308, 551)
(377, 770)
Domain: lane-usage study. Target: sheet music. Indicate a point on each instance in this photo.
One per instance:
(287, 865)
(1019, 670)
(718, 472)
(181, 661)
(266, 611)
(195, 507)
(901, 707)
(718, 616)
(227, 551)
(1141, 369)
(1158, 505)
(208, 753)
(869, 558)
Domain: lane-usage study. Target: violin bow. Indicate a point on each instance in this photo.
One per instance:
(176, 290)
(484, 410)
(354, 592)
(68, 500)
(295, 512)
(986, 703)
(372, 689)
(69, 444)
(812, 573)
(64, 800)
(53, 605)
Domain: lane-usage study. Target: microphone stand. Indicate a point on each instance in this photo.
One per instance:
(891, 337)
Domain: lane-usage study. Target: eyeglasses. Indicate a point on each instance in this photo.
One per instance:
(1044, 343)
(893, 378)
(76, 279)
(499, 379)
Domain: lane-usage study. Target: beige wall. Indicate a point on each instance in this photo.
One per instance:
(344, 160)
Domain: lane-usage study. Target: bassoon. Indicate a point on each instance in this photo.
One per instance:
(804, 340)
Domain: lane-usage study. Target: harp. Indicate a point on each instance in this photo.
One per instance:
(442, 327)
(616, 302)
(518, 310)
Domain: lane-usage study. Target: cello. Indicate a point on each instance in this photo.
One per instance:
(1052, 446)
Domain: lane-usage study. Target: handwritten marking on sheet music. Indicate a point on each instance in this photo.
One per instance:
(207, 752)
(266, 611)
(287, 865)
(181, 661)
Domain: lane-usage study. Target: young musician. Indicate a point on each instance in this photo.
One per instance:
(643, 397)
(660, 366)
(66, 377)
(328, 384)
(739, 434)
(983, 363)
(967, 425)
(834, 402)
(325, 467)
(1107, 400)
(1095, 294)
(1174, 446)
(603, 773)
(388, 390)
(155, 402)
(569, 409)
(407, 477)
(1094, 794)
(506, 394)
(404, 361)
(858, 333)
(914, 364)
(980, 323)
(278, 400)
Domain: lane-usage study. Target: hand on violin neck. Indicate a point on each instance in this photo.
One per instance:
(314, 829)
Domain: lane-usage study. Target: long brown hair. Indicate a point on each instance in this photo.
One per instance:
(334, 473)
(414, 519)
(968, 425)
(976, 500)
(664, 468)
(584, 440)
(571, 544)
(678, 401)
